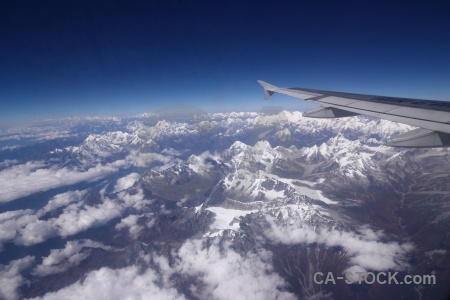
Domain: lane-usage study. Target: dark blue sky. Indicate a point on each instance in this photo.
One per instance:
(68, 58)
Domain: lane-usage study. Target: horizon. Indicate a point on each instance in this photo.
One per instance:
(143, 115)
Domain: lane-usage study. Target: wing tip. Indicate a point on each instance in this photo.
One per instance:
(268, 89)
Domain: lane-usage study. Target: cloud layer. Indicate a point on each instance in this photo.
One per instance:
(228, 275)
(218, 272)
(126, 182)
(60, 260)
(11, 278)
(32, 177)
(36, 176)
(126, 283)
(365, 248)
(26, 227)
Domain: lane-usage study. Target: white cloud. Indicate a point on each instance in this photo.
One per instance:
(228, 275)
(8, 162)
(135, 198)
(24, 227)
(77, 218)
(364, 249)
(35, 133)
(436, 252)
(126, 182)
(130, 222)
(9, 147)
(32, 177)
(35, 232)
(126, 283)
(10, 278)
(36, 176)
(142, 159)
(60, 260)
(12, 222)
(219, 273)
(171, 152)
(62, 200)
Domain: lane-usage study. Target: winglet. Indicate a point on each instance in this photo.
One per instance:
(268, 89)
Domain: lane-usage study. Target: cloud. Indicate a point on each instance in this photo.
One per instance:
(32, 177)
(436, 252)
(171, 152)
(142, 159)
(36, 176)
(218, 272)
(8, 162)
(62, 200)
(126, 283)
(35, 133)
(35, 232)
(126, 182)
(12, 222)
(10, 278)
(228, 275)
(134, 198)
(130, 222)
(364, 248)
(24, 227)
(77, 218)
(60, 260)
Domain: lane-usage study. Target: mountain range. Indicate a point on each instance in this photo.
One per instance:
(230, 205)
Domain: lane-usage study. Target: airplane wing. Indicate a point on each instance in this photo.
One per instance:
(432, 117)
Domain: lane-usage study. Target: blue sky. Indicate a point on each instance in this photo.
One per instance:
(77, 58)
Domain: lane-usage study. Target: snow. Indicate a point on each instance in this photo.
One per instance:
(309, 192)
(224, 217)
(251, 183)
(394, 156)
(272, 194)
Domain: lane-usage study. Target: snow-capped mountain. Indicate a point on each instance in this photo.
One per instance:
(191, 209)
